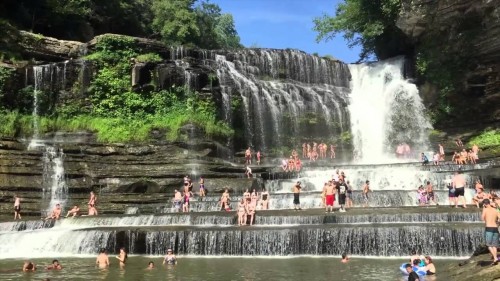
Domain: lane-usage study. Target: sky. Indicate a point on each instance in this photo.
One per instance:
(284, 24)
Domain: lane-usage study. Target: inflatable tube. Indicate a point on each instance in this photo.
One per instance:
(419, 270)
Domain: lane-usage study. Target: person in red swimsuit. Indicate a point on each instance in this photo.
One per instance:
(329, 191)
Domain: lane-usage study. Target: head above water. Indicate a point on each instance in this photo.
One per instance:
(102, 251)
(367, 182)
(151, 264)
(344, 256)
(55, 262)
(169, 251)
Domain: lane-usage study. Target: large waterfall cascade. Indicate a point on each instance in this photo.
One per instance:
(385, 110)
(273, 109)
(280, 90)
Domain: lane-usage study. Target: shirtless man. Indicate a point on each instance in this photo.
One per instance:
(430, 193)
(491, 217)
(458, 182)
(102, 260)
(74, 211)
(248, 156)
(366, 189)
(329, 191)
(122, 257)
(92, 211)
(17, 207)
(56, 213)
(296, 196)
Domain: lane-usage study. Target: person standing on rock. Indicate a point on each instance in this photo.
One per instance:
(248, 156)
(248, 172)
(491, 217)
(458, 183)
(202, 188)
(366, 189)
(329, 191)
(264, 199)
(441, 152)
(92, 200)
(296, 196)
(342, 190)
(258, 157)
(17, 207)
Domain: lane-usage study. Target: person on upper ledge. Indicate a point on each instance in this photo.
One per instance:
(424, 159)
(75, 211)
(248, 156)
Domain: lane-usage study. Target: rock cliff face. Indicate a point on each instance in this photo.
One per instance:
(120, 174)
(474, 26)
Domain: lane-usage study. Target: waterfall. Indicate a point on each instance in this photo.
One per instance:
(284, 95)
(385, 111)
(54, 179)
(38, 80)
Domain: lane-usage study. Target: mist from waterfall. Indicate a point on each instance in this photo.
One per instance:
(385, 110)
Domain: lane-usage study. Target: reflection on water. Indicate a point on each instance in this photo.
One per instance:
(219, 269)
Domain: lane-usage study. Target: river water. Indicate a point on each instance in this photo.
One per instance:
(220, 269)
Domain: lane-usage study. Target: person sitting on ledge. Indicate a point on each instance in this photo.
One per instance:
(424, 159)
(55, 214)
(74, 212)
(92, 211)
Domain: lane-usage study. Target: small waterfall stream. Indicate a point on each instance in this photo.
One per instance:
(54, 178)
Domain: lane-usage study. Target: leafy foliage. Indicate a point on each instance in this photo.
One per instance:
(367, 23)
(486, 138)
(173, 21)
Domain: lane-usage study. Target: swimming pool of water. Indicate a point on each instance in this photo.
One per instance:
(217, 268)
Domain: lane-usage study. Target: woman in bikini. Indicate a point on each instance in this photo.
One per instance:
(202, 188)
(170, 258)
(185, 205)
(242, 215)
(429, 266)
(254, 197)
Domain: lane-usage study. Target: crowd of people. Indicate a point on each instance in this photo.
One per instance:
(459, 157)
(102, 261)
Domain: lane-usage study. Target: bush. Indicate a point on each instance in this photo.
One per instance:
(149, 57)
(486, 138)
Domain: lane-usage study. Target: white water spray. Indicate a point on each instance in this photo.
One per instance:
(53, 162)
(385, 110)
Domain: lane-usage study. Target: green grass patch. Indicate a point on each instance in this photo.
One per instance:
(486, 138)
(115, 129)
(149, 57)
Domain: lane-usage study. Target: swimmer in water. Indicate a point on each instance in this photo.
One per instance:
(102, 259)
(151, 265)
(170, 258)
(122, 257)
(345, 258)
(29, 266)
(55, 265)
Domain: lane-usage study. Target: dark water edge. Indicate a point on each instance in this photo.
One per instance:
(220, 269)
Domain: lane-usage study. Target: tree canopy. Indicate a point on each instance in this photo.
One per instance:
(370, 24)
(174, 21)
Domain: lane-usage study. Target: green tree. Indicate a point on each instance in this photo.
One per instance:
(370, 24)
(217, 30)
(227, 36)
(175, 21)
